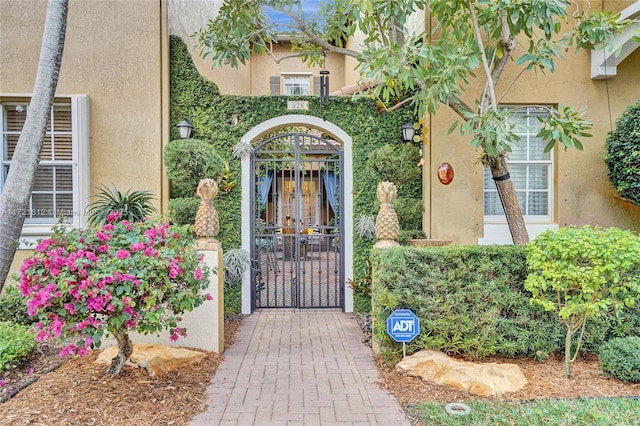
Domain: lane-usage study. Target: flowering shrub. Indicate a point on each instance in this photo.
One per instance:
(83, 284)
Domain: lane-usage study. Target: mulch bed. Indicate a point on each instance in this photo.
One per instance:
(546, 381)
(80, 392)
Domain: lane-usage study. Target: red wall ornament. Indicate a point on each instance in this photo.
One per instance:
(445, 173)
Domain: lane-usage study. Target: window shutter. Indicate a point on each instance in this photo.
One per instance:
(316, 86)
(274, 85)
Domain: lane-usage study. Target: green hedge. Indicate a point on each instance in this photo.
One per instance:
(623, 154)
(221, 120)
(471, 301)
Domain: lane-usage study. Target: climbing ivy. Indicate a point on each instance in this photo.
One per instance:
(221, 120)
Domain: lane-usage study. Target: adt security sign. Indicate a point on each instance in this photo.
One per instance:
(403, 325)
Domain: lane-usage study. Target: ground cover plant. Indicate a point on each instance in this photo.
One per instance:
(620, 358)
(85, 284)
(16, 342)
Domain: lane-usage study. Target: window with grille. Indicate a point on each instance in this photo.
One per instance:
(60, 186)
(296, 85)
(530, 168)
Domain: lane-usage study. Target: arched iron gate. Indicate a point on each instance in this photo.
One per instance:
(296, 223)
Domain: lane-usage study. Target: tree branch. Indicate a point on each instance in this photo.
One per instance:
(485, 64)
(325, 45)
(509, 44)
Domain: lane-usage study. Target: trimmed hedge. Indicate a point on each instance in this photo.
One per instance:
(471, 302)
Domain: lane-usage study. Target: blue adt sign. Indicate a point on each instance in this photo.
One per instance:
(403, 325)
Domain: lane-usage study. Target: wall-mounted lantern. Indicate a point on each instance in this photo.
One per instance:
(185, 128)
(408, 132)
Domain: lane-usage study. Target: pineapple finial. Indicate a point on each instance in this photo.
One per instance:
(387, 226)
(207, 224)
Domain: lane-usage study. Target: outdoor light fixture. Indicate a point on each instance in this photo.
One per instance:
(408, 132)
(185, 129)
(324, 86)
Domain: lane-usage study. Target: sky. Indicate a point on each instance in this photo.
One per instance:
(309, 7)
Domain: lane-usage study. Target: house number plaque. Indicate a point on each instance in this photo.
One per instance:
(298, 105)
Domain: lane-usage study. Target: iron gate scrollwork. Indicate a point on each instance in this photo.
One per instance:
(296, 222)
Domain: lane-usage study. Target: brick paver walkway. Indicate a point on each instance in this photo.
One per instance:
(299, 367)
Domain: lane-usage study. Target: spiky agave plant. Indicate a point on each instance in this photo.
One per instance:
(133, 206)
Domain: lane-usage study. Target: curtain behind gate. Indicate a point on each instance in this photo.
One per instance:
(265, 187)
(331, 186)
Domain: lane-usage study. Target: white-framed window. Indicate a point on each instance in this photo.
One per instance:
(530, 168)
(61, 187)
(297, 84)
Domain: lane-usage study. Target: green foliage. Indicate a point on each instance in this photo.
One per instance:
(182, 211)
(134, 206)
(581, 272)
(410, 234)
(623, 154)
(409, 211)
(16, 342)
(188, 161)
(620, 358)
(233, 298)
(13, 307)
(471, 301)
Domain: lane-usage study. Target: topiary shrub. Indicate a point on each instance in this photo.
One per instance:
(623, 154)
(620, 358)
(188, 161)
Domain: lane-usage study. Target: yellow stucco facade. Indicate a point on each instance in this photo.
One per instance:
(581, 192)
(115, 54)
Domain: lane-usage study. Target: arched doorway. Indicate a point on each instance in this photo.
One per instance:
(296, 215)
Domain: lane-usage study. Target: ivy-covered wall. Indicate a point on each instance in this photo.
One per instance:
(378, 153)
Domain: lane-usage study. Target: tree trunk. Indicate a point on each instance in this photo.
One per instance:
(125, 349)
(17, 188)
(567, 351)
(509, 199)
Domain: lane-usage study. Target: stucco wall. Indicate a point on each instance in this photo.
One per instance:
(187, 17)
(583, 194)
(112, 54)
(265, 66)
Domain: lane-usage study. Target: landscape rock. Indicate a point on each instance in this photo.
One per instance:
(156, 359)
(484, 379)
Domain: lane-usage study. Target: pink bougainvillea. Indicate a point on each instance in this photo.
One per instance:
(83, 284)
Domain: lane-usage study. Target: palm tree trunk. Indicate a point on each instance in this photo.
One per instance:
(17, 188)
(509, 199)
